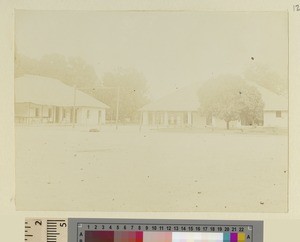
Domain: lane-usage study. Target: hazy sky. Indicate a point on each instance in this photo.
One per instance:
(171, 49)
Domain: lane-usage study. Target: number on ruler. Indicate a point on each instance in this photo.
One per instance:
(296, 8)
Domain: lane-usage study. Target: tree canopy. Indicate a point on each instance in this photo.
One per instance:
(72, 71)
(132, 87)
(266, 78)
(230, 98)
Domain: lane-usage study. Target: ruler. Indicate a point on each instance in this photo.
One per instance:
(46, 230)
(141, 230)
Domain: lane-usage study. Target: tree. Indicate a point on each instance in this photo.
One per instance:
(266, 78)
(229, 98)
(132, 88)
(253, 105)
(72, 71)
(25, 65)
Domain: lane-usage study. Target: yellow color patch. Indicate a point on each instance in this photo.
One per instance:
(241, 237)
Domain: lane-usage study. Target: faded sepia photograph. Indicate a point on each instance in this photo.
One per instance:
(146, 111)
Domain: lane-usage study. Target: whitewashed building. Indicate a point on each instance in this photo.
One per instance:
(43, 100)
(181, 109)
(275, 109)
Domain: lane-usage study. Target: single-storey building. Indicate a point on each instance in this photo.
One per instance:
(275, 108)
(181, 109)
(46, 100)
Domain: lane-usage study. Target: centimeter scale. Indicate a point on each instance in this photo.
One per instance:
(141, 230)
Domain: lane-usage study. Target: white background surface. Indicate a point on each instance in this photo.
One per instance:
(278, 227)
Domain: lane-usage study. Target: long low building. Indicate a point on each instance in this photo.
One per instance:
(47, 100)
(181, 109)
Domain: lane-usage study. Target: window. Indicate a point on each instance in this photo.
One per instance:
(87, 113)
(49, 112)
(278, 114)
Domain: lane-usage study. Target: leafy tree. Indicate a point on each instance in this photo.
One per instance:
(25, 65)
(253, 105)
(132, 88)
(75, 71)
(266, 78)
(229, 98)
(72, 71)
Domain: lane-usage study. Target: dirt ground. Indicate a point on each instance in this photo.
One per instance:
(60, 168)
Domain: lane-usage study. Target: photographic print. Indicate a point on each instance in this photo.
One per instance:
(151, 111)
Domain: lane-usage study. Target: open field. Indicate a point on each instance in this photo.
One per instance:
(60, 168)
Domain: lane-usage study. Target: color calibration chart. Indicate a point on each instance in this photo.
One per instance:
(141, 230)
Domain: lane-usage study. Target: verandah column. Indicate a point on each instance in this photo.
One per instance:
(153, 119)
(103, 116)
(189, 121)
(166, 119)
(145, 118)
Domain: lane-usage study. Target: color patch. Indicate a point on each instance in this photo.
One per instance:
(233, 237)
(197, 237)
(241, 237)
(99, 236)
(128, 236)
(157, 237)
(226, 237)
(139, 236)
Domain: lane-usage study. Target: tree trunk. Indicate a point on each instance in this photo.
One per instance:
(227, 124)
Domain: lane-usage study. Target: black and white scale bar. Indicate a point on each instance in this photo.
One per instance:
(28, 235)
(52, 230)
(27, 228)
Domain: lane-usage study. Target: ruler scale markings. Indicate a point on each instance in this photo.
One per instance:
(52, 230)
(62, 220)
(87, 230)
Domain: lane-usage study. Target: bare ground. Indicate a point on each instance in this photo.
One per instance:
(127, 170)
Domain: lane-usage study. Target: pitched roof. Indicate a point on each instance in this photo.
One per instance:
(186, 99)
(183, 99)
(272, 100)
(50, 91)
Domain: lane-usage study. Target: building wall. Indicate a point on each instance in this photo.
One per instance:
(35, 114)
(198, 121)
(194, 119)
(184, 119)
(90, 116)
(172, 119)
(276, 119)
